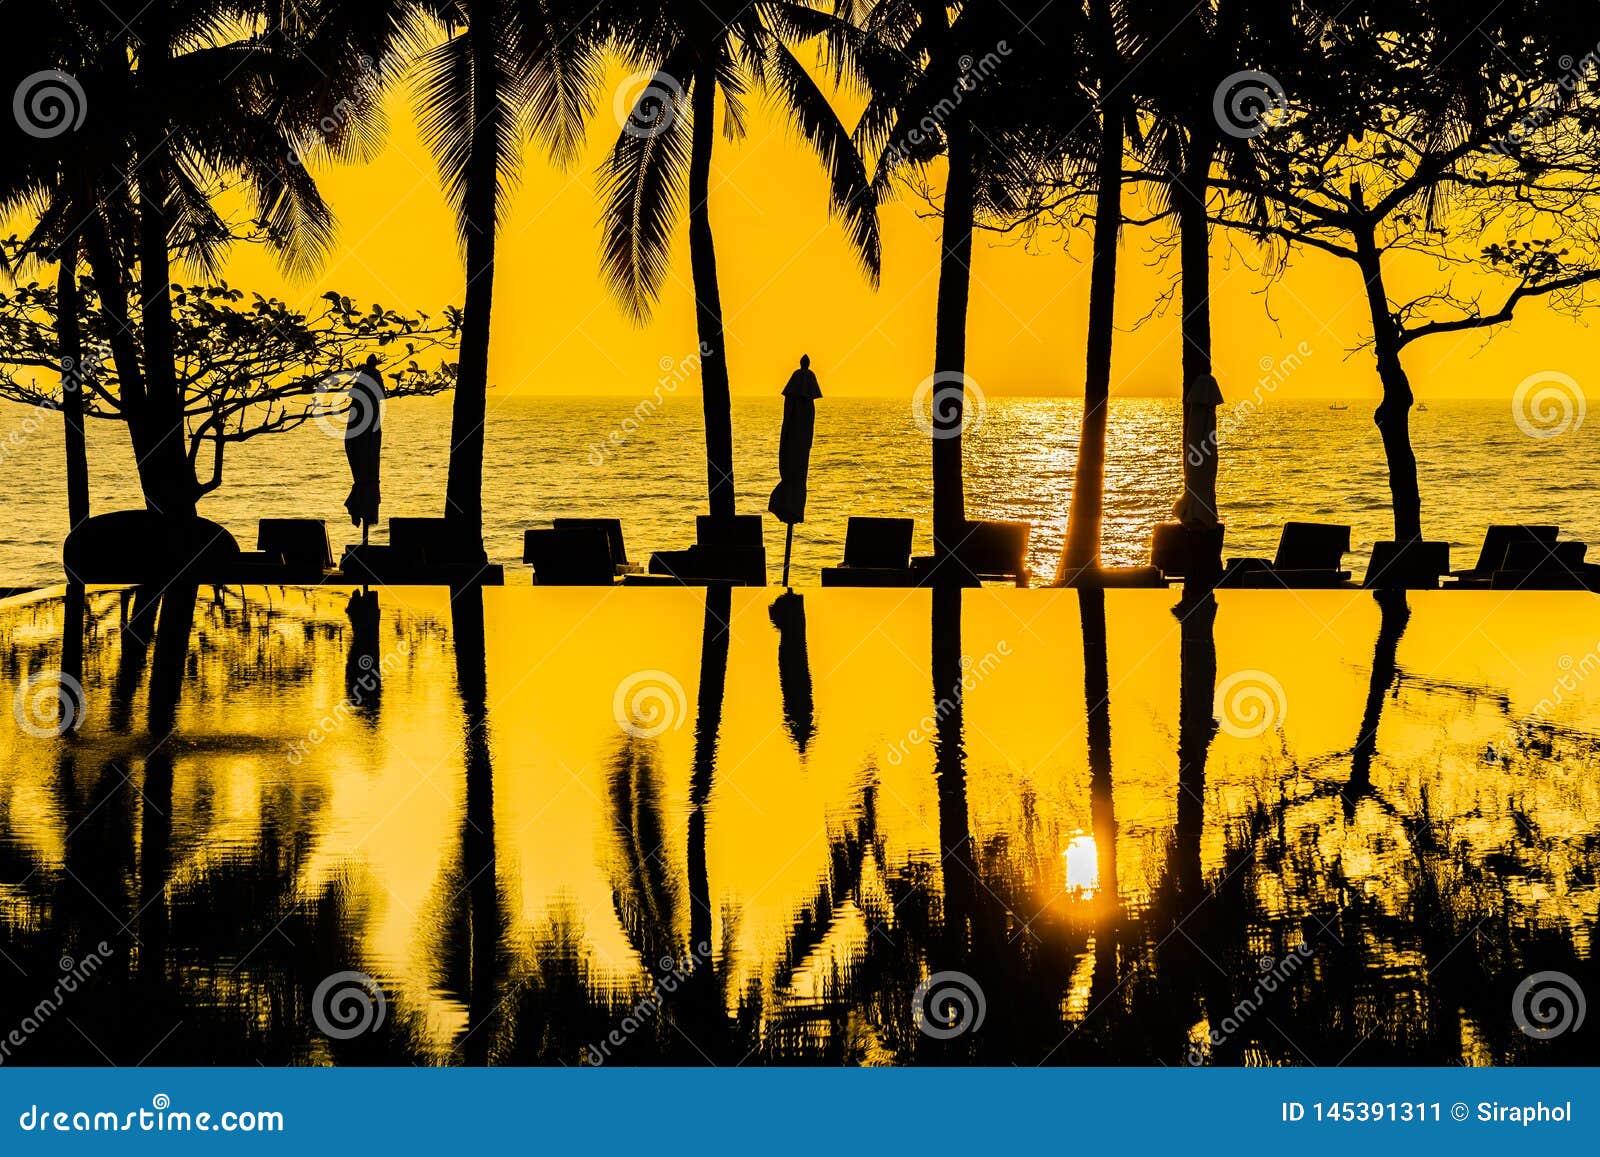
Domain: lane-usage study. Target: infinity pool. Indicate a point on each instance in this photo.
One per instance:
(647, 826)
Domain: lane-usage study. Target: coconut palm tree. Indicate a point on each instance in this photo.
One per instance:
(490, 74)
(122, 157)
(1205, 101)
(695, 52)
(52, 182)
(1080, 555)
(977, 86)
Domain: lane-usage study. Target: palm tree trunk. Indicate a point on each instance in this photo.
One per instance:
(113, 294)
(164, 469)
(464, 484)
(950, 343)
(1393, 416)
(1081, 551)
(1199, 505)
(69, 307)
(715, 396)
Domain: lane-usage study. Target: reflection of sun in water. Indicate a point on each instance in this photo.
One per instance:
(1083, 865)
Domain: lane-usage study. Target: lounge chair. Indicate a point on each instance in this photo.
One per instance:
(1417, 565)
(877, 553)
(1174, 547)
(989, 550)
(571, 556)
(421, 552)
(726, 550)
(613, 531)
(300, 547)
(1535, 566)
(1497, 543)
(1310, 555)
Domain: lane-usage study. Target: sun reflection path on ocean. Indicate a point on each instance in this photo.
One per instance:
(295, 826)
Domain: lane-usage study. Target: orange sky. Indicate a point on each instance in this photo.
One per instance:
(789, 286)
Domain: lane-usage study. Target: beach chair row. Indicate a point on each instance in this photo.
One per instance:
(114, 548)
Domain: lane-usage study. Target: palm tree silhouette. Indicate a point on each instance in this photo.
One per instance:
(947, 87)
(504, 70)
(694, 51)
(1081, 551)
(132, 183)
(1188, 56)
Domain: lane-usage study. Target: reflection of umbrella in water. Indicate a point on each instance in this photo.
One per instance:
(363, 672)
(788, 614)
(363, 445)
(788, 499)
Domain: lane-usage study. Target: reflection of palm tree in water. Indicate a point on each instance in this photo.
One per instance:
(167, 669)
(950, 772)
(485, 920)
(690, 1026)
(1188, 950)
(1102, 802)
(1197, 726)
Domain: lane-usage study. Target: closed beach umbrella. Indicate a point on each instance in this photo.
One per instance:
(363, 445)
(788, 501)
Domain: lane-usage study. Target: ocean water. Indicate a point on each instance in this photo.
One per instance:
(553, 457)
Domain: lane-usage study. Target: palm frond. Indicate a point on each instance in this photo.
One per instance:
(851, 197)
(642, 184)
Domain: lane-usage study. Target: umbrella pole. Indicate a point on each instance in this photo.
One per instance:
(788, 545)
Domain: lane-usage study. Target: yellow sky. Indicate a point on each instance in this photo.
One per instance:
(789, 286)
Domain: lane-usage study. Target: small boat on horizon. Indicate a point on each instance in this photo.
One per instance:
(1422, 407)
(1340, 406)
